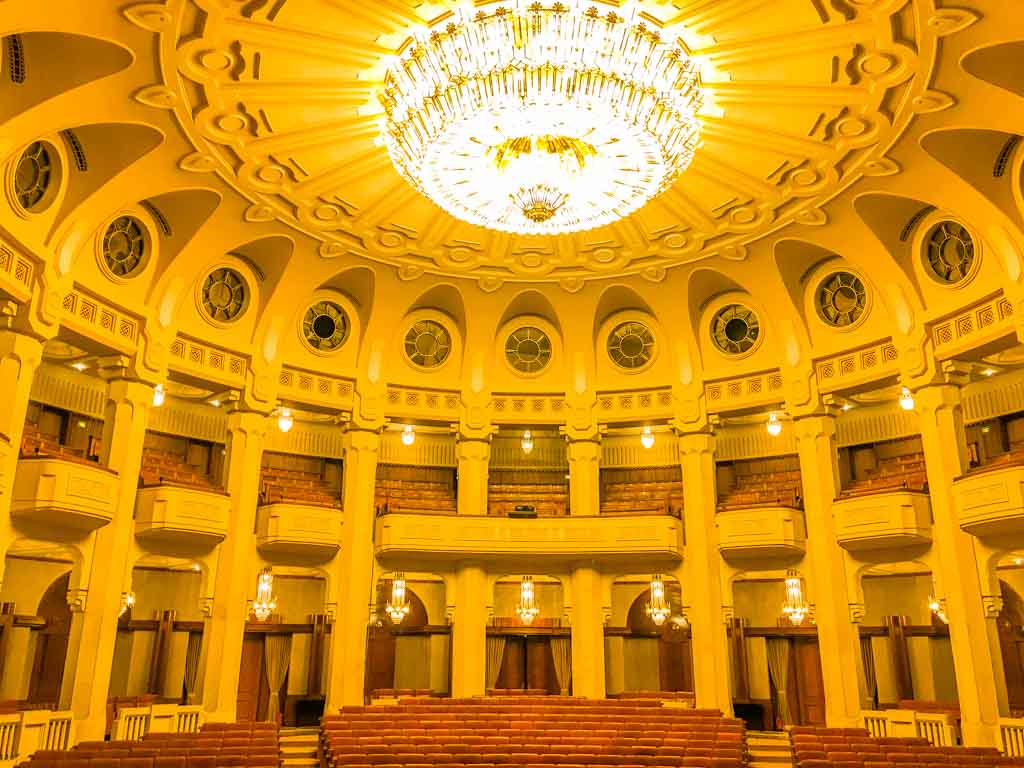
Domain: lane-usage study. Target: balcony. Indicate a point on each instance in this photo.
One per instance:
(444, 538)
(761, 532)
(882, 520)
(178, 514)
(62, 493)
(308, 530)
(991, 501)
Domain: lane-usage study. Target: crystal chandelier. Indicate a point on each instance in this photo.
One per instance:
(397, 607)
(527, 442)
(658, 608)
(937, 605)
(527, 609)
(127, 601)
(795, 608)
(542, 117)
(265, 603)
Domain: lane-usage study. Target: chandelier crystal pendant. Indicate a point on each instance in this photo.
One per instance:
(265, 603)
(658, 608)
(527, 609)
(541, 118)
(127, 601)
(795, 608)
(398, 606)
(527, 442)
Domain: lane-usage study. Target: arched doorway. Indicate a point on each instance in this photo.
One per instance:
(51, 643)
(659, 658)
(1011, 642)
(395, 654)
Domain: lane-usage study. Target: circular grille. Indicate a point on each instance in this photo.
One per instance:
(735, 329)
(124, 246)
(631, 345)
(428, 344)
(528, 349)
(949, 252)
(32, 176)
(225, 295)
(841, 299)
(325, 326)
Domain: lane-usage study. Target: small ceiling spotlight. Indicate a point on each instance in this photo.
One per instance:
(906, 399)
(285, 420)
(527, 442)
(158, 395)
(647, 438)
(989, 372)
(215, 403)
(408, 435)
(774, 426)
(847, 406)
(79, 366)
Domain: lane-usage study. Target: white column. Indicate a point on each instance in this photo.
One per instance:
(587, 634)
(473, 455)
(584, 476)
(469, 631)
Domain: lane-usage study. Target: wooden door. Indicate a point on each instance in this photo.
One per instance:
(809, 683)
(380, 660)
(513, 665)
(540, 665)
(51, 644)
(249, 676)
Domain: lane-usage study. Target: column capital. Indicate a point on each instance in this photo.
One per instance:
(584, 450)
(696, 443)
(26, 349)
(933, 398)
(591, 433)
(814, 427)
(361, 440)
(472, 448)
(250, 423)
(992, 606)
(945, 372)
(77, 599)
(857, 612)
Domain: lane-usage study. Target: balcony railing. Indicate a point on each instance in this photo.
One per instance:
(64, 493)
(884, 519)
(768, 531)
(308, 530)
(991, 500)
(179, 514)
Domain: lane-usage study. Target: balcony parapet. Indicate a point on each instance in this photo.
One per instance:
(761, 531)
(884, 519)
(990, 500)
(173, 513)
(310, 531)
(70, 494)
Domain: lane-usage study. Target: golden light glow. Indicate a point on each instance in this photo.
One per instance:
(543, 118)
(527, 609)
(398, 606)
(265, 603)
(795, 608)
(658, 608)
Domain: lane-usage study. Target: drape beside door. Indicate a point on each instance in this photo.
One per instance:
(867, 657)
(277, 653)
(778, 668)
(561, 652)
(495, 654)
(192, 651)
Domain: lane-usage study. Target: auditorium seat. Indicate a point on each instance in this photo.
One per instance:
(854, 748)
(412, 496)
(295, 486)
(165, 467)
(894, 473)
(763, 482)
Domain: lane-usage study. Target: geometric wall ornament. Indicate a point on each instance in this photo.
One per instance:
(841, 299)
(735, 329)
(125, 247)
(428, 344)
(631, 345)
(949, 252)
(33, 176)
(225, 295)
(528, 349)
(325, 326)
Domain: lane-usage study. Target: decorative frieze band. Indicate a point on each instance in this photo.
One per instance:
(207, 361)
(98, 320)
(992, 318)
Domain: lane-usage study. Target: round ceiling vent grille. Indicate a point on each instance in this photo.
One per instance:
(325, 326)
(124, 246)
(735, 329)
(841, 299)
(225, 295)
(428, 344)
(32, 176)
(949, 252)
(528, 349)
(631, 345)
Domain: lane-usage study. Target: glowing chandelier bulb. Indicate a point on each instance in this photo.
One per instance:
(906, 399)
(265, 603)
(527, 609)
(540, 117)
(774, 426)
(647, 438)
(527, 442)
(158, 395)
(408, 435)
(795, 608)
(658, 608)
(936, 605)
(285, 420)
(398, 606)
(127, 601)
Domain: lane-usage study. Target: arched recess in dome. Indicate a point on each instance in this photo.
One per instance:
(109, 148)
(531, 303)
(703, 285)
(796, 260)
(894, 220)
(44, 69)
(444, 298)
(268, 257)
(984, 159)
(184, 211)
(999, 65)
(615, 299)
(358, 284)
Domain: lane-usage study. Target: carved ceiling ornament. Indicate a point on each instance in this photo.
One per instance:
(284, 103)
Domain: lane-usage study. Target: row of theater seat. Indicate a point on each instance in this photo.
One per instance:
(296, 486)
(548, 499)
(854, 748)
(642, 498)
(414, 496)
(527, 731)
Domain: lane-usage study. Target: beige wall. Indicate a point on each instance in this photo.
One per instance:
(298, 597)
(548, 595)
(164, 590)
(759, 602)
(25, 582)
(897, 596)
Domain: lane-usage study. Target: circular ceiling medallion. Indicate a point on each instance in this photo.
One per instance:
(124, 246)
(428, 344)
(949, 252)
(32, 176)
(631, 345)
(841, 299)
(325, 326)
(788, 135)
(225, 295)
(528, 349)
(735, 329)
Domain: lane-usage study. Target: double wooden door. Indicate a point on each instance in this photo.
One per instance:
(805, 673)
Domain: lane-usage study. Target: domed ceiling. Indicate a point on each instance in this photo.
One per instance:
(218, 180)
